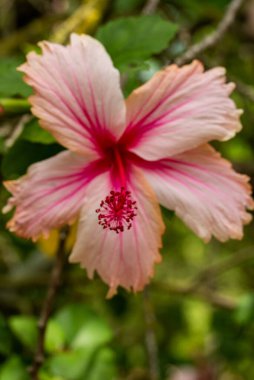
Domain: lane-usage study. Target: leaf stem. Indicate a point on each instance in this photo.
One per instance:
(13, 106)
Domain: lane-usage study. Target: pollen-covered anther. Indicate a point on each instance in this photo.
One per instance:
(117, 211)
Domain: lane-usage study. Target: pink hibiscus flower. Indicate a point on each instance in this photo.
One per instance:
(124, 157)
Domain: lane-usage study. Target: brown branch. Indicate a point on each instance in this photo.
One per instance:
(208, 274)
(150, 7)
(217, 300)
(214, 37)
(207, 295)
(199, 286)
(47, 306)
(151, 343)
(245, 90)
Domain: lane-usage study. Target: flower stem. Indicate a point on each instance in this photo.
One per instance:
(13, 106)
(47, 305)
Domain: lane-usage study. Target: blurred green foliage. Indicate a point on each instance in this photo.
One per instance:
(76, 344)
(208, 327)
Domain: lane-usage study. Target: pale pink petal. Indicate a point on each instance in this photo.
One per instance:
(50, 194)
(180, 108)
(204, 190)
(125, 259)
(77, 93)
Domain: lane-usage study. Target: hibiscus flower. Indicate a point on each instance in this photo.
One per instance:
(126, 157)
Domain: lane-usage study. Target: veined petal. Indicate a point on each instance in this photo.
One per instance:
(204, 190)
(179, 109)
(126, 258)
(77, 93)
(50, 194)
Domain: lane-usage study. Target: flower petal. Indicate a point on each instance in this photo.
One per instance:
(50, 194)
(77, 93)
(180, 109)
(127, 258)
(204, 191)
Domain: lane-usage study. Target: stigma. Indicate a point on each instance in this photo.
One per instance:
(117, 211)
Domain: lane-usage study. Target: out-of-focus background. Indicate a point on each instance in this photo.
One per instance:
(196, 319)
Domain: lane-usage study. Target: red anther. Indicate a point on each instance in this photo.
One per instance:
(117, 211)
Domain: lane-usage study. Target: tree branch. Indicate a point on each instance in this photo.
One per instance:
(47, 306)
(207, 295)
(214, 37)
(207, 274)
(150, 7)
(199, 286)
(245, 90)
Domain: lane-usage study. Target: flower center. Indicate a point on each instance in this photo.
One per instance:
(117, 211)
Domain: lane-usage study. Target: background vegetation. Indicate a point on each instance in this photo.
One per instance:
(196, 319)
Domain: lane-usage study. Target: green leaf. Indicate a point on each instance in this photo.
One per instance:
(24, 153)
(25, 329)
(72, 318)
(13, 369)
(34, 133)
(45, 376)
(104, 367)
(69, 365)
(94, 334)
(5, 337)
(11, 82)
(55, 337)
(82, 364)
(82, 327)
(244, 313)
(133, 39)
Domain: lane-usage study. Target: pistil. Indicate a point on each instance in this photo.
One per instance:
(117, 211)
